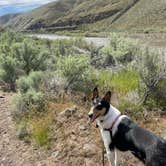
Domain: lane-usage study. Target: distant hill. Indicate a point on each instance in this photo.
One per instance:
(6, 18)
(94, 15)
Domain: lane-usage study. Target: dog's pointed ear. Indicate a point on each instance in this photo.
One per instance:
(95, 93)
(107, 96)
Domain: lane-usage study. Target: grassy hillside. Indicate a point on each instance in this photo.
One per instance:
(42, 16)
(69, 13)
(146, 15)
(95, 15)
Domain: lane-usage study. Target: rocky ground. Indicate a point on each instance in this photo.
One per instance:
(73, 142)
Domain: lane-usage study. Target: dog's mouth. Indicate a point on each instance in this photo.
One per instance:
(93, 118)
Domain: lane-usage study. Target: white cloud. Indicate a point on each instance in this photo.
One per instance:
(12, 2)
(20, 6)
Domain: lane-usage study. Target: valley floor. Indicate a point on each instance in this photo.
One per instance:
(152, 40)
(81, 146)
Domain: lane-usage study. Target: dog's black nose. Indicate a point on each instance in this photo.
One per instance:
(90, 116)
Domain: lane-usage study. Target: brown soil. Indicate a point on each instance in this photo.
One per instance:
(74, 142)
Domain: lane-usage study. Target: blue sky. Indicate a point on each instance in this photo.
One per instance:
(19, 6)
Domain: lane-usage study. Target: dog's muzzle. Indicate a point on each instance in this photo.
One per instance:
(91, 117)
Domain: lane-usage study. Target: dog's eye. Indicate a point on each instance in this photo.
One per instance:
(99, 107)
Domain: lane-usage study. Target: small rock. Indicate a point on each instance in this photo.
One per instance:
(90, 149)
(83, 127)
(55, 154)
(73, 137)
(68, 112)
(157, 119)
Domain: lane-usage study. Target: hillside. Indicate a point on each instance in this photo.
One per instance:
(99, 15)
(6, 18)
(145, 15)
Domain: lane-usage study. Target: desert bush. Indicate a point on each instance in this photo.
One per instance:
(19, 56)
(75, 69)
(10, 37)
(82, 44)
(32, 81)
(70, 47)
(40, 131)
(29, 101)
(30, 97)
(22, 130)
(126, 105)
(152, 70)
(31, 58)
(8, 71)
(157, 97)
(119, 50)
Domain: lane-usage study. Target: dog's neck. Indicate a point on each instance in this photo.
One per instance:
(106, 121)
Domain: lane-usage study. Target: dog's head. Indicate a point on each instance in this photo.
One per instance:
(100, 106)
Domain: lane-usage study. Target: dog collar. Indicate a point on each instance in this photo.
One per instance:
(110, 129)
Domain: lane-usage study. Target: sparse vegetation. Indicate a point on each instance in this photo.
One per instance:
(50, 81)
(120, 50)
(41, 71)
(41, 131)
(152, 70)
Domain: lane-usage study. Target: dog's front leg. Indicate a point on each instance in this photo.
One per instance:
(110, 151)
(116, 157)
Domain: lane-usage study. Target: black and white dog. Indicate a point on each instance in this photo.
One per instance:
(119, 132)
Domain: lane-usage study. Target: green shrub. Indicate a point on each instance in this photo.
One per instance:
(120, 50)
(29, 101)
(32, 81)
(152, 70)
(10, 37)
(22, 130)
(8, 68)
(31, 57)
(24, 84)
(128, 105)
(20, 55)
(41, 131)
(75, 69)
(158, 95)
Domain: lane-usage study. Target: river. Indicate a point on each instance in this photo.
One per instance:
(97, 41)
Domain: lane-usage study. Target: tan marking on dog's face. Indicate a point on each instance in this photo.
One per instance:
(96, 113)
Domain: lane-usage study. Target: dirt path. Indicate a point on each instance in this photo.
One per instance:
(13, 152)
(11, 149)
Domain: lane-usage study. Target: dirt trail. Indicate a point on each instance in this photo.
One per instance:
(13, 152)
(11, 149)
